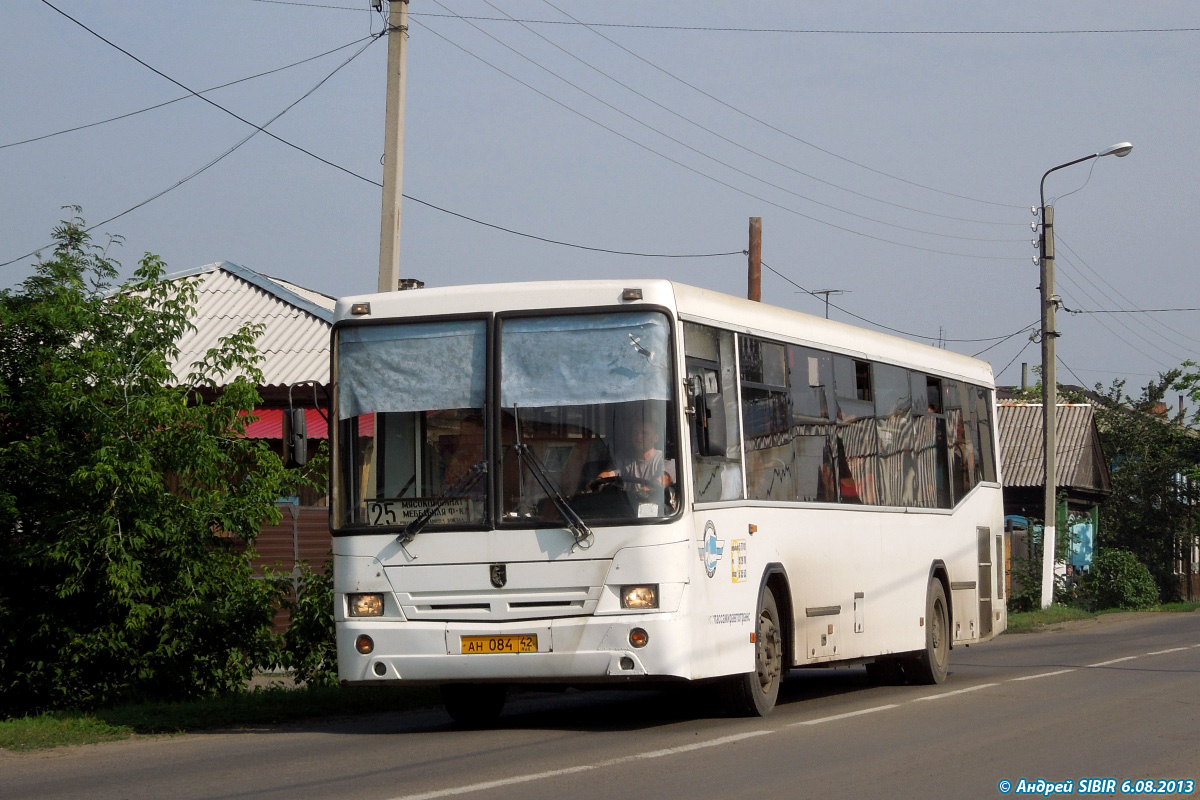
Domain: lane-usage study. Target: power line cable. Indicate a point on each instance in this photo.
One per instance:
(885, 327)
(353, 174)
(701, 173)
(1068, 369)
(1115, 335)
(1121, 321)
(1125, 310)
(1124, 297)
(723, 138)
(260, 129)
(842, 31)
(1027, 329)
(571, 244)
(219, 158)
(182, 97)
(768, 125)
(708, 156)
(1024, 347)
(311, 5)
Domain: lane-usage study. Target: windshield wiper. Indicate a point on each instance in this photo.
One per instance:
(579, 529)
(454, 490)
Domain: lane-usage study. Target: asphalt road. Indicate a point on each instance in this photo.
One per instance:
(1114, 699)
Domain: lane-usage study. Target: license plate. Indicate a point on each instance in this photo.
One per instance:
(477, 645)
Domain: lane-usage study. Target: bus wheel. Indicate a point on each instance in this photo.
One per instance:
(930, 665)
(753, 694)
(474, 705)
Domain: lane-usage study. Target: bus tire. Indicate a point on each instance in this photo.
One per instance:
(753, 694)
(474, 705)
(930, 665)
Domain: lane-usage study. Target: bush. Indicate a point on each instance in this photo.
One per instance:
(1119, 580)
(128, 502)
(310, 649)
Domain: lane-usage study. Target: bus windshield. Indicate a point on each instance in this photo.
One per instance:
(411, 423)
(586, 417)
(586, 424)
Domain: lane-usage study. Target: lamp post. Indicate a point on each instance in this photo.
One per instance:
(1049, 372)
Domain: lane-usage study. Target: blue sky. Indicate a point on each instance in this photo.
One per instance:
(892, 150)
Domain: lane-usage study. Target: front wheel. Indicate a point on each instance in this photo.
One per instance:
(754, 694)
(929, 667)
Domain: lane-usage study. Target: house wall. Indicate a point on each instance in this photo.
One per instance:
(302, 535)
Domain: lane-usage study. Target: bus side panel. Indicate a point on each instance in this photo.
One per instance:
(726, 566)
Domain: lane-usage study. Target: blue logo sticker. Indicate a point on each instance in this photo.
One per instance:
(711, 548)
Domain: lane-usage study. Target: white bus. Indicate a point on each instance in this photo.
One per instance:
(591, 482)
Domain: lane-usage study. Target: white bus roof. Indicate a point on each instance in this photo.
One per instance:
(689, 302)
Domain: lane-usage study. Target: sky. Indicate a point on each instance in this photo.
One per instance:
(893, 152)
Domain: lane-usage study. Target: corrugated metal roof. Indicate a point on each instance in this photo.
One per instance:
(1079, 458)
(295, 340)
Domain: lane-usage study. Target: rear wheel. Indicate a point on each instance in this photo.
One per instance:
(754, 694)
(474, 705)
(931, 664)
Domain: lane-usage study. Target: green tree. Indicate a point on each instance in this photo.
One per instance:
(1152, 454)
(127, 503)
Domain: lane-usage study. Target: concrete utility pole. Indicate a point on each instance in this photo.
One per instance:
(393, 147)
(1049, 405)
(754, 261)
(1050, 302)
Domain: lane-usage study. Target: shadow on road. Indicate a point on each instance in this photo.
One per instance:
(603, 709)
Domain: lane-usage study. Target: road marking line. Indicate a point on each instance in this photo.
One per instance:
(1113, 661)
(670, 751)
(959, 691)
(554, 773)
(1043, 675)
(1172, 650)
(847, 715)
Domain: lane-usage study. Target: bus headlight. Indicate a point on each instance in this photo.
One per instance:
(639, 597)
(364, 605)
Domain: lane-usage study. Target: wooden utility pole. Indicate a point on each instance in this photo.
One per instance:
(393, 147)
(754, 264)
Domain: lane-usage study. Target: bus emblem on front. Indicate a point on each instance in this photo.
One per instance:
(499, 575)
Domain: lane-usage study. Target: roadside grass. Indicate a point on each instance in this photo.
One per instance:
(253, 708)
(1030, 621)
(1041, 619)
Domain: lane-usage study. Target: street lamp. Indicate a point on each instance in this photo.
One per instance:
(1049, 372)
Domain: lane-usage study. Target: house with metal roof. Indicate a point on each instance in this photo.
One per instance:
(294, 345)
(1081, 473)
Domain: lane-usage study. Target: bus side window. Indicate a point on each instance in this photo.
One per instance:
(713, 419)
(983, 417)
(896, 478)
(931, 445)
(812, 430)
(960, 439)
(766, 420)
(857, 448)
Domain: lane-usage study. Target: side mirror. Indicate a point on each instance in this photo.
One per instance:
(295, 438)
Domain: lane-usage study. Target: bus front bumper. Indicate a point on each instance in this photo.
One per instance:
(577, 649)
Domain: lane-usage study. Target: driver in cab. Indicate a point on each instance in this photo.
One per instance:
(640, 464)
